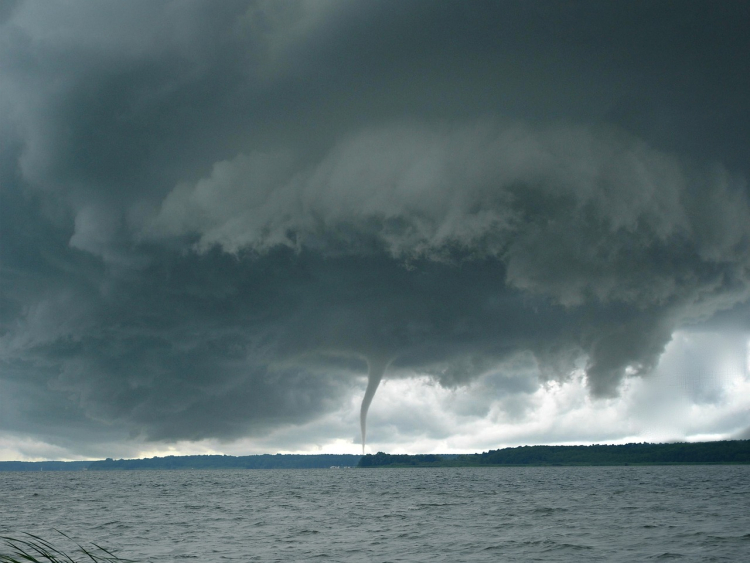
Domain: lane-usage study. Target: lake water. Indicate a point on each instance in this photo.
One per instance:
(691, 513)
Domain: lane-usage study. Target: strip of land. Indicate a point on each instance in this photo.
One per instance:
(264, 461)
(722, 452)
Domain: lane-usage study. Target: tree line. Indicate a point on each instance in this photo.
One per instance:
(263, 461)
(727, 451)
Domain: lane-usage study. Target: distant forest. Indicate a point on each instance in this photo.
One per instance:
(735, 451)
(264, 461)
(44, 465)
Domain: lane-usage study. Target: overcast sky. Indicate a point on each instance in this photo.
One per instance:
(217, 217)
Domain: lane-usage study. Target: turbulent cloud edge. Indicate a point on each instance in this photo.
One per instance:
(573, 212)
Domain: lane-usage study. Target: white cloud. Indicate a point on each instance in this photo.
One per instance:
(416, 415)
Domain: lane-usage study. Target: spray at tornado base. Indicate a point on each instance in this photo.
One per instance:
(531, 218)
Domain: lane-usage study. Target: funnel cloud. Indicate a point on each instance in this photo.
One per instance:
(526, 213)
(375, 369)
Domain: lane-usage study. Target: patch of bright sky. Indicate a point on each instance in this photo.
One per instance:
(699, 391)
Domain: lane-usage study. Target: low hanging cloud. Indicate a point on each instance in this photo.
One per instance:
(582, 220)
(483, 191)
(216, 219)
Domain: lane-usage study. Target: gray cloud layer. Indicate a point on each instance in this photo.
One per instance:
(213, 214)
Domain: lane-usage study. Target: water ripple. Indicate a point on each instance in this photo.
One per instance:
(556, 514)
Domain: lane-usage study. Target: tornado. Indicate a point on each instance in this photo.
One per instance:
(376, 368)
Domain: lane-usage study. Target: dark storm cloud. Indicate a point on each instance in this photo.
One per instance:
(214, 214)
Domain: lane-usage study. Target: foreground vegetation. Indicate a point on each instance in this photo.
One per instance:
(33, 549)
(730, 451)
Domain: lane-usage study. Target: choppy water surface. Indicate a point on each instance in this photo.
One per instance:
(695, 513)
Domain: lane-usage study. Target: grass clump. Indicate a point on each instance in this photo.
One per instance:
(33, 549)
